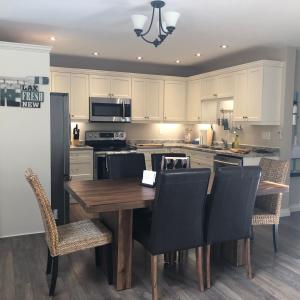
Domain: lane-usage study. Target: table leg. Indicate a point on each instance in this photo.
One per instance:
(120, 223)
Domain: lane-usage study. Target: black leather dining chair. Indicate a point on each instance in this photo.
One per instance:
(229, 210)
(177, 221)
(129, 165)
(156, 159)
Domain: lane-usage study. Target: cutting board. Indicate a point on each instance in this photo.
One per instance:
(209, 135)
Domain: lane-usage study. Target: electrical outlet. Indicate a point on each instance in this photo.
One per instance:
(266, 135)
(55, 213)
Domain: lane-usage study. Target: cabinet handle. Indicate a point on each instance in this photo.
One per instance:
(198, 118)
(165, 118)
(215, 95)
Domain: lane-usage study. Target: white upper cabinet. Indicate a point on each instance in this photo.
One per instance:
(225, 85)
(110, 86)
(120, 87)
(79, 100)
(209, 88)
(147, 99)
(258, 95)
(60, 82)
(193, 107)
(209, 111)
(174, 100)
(99, 86)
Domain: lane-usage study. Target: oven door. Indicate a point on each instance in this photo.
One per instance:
(227, 161)
(110, 110)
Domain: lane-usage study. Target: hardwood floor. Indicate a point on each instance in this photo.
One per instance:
(23, 266)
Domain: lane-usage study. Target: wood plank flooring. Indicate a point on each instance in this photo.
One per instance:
(23, 265)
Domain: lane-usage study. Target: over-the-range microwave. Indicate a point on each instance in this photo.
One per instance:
(110, 109)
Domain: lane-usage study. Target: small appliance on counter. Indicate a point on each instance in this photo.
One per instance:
(188, 136)
(104, 143)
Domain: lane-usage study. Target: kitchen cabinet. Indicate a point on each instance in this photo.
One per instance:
(81, 164)
(258, 95)
(60, 82)
(79, 97)
(209, 111)
(225, 85)
(174, 100)
(193, 106)
(147, 99)
(109, 86)
(209, 88)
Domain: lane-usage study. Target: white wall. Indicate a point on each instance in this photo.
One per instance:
(25, 142)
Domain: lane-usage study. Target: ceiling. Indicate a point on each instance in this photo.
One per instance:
(82, 27)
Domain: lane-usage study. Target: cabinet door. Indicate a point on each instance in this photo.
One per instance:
(154, 99)
(193, 101)
(139, 99)
(120, 87)
(254, 91)
(174, 100)
(240, 96)
(209, 111)
(79, 101)
(225, 85)
(209, 88)
(60, 82)
(99, 86)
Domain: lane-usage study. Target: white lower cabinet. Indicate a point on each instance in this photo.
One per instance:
(81, 164)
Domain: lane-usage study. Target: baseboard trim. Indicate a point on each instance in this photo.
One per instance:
(20, 234)
(285, 212)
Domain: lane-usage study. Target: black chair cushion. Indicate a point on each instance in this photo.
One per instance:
(231, 203)
(129, 165)
(178, 212)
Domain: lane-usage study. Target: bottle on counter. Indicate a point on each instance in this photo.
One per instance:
(236, 142)
(76, 132)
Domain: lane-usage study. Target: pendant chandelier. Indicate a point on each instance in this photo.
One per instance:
(165, 26)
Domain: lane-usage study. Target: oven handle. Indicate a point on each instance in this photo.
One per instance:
(226, 162)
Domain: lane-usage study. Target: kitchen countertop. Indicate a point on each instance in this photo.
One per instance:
(83, 147)
(209, 150)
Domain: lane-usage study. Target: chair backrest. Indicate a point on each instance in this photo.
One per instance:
(129, 165)
(46, 211)
(276, 171)
(156, 159)
(178, 210)
(172, 162)
(230, 205)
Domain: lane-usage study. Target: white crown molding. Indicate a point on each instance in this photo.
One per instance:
(25, 47)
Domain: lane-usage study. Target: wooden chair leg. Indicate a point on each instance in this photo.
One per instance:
(154, 277)
(275, 237)
(98, 256)
(247, 252)
(54, 276)
(199, 259)
(208, 266)
(49, 263)
(109, 256)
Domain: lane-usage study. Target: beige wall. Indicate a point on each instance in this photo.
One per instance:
(25, 142)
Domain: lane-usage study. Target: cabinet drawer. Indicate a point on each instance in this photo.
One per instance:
(81, 157)
(82, 177)
(80, 168)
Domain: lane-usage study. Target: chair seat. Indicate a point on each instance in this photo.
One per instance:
(262, 217)
(82, 235)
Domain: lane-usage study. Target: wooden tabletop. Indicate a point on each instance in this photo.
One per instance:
(112, 195)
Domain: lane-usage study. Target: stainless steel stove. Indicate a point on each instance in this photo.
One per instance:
(104, 143)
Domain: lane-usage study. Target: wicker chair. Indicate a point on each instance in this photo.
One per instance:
(68, 238)
(267, 208)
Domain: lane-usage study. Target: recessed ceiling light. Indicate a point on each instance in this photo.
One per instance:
(139, 58)
(224, 46)
(52, 38)
(95, 53)
(198, 54)
(177, 61)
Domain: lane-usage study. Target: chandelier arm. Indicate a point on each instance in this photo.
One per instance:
(147, 41)
(161, 29)
(153, 12)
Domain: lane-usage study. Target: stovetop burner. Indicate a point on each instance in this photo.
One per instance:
(112, 148)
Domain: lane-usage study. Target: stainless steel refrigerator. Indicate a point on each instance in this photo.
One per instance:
(60, 165)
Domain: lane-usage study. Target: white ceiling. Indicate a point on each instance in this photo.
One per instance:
(84, 26)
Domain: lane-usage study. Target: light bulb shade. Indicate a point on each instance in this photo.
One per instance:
(139, 21)
(171, 18)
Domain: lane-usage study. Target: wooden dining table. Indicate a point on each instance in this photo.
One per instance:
(115, 200)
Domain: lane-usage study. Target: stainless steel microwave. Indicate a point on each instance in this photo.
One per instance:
(110, 110)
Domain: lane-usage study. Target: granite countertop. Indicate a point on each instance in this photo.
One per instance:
(83, 147)
(275, 151)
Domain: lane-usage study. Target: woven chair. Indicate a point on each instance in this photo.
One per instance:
(267, 208)
(68, 238)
